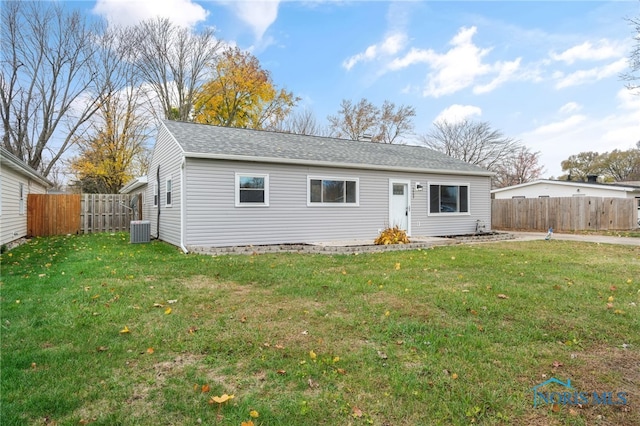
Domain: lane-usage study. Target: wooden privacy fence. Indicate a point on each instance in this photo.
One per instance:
(564, 213)
(59, 214)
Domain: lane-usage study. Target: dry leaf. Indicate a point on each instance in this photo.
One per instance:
(150, 351)
(610, 299)
(557, 364)
(279, 346)
(382, 355)
(167, 311)
(397, 267)
(502, 296)
(158, 305)
(125, 330)
(221, 399)
(247, 423)
(356, 412)
(312, 383)
(254, 414)
(454, 376)
(312, 355)
(341, 371)
(102, 348)
(281, 372)
(192, 329)
(205, 388)
(555, 408)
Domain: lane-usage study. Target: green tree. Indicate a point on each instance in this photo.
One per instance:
(581, 165)
(242, 94)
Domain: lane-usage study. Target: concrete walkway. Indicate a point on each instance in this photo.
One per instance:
(599, 239)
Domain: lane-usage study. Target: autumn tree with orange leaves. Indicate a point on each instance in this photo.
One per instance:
(242, 94)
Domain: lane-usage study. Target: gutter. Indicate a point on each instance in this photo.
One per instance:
(337, 165)
(183, 202)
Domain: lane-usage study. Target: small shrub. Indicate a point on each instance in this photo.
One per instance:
(393, 235)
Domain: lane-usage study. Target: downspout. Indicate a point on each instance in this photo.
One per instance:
(159, 203)
(183, 205)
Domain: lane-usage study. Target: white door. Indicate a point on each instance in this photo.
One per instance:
(399, 206)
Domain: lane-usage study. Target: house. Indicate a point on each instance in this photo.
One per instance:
(17, 181)
(137, 188)
(561, 188)
(212, 186)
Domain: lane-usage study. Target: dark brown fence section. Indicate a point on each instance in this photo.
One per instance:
(564, 214)
(105, 213)
(49, 214)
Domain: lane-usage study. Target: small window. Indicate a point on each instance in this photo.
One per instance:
(332, 191)
(398, 189)
(168, 190)
(252, 190)
(448, 199)
(155, 195)
(21, 195)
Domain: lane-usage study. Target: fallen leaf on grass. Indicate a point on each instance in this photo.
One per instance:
(247, 423)
(313, 384)
(158, 305)
(454, 376)
(382, 355)
(502, 296)
(281, 372)
(125, 330)
(557, 364)
(205, 388)
(220, 399)
(356, 412)
(167, 311)
(102, 348)
(312, 355)
(341, 371)
(555, 408)
(192, 329)
(254, 414)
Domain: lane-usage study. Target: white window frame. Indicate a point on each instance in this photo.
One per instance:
(336, 178)
(264, 176)
(155, 195)
(21, 200)
(168, 192)
(458, 213)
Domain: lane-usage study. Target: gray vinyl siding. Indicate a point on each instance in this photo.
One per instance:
(168, 155)
(13, 224)
(212, 219)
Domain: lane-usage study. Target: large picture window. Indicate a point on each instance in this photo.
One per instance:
(333, 191)
(448, 198)
(252, 190)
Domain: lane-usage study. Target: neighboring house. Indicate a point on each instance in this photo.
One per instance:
(212, 186)
(563, 188)
(137, 188)
(17, 181)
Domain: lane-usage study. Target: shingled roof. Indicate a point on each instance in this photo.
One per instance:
(207, 141)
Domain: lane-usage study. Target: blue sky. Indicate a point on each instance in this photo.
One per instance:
(544, 72)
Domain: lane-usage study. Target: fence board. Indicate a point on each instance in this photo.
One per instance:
(105, 213)
(564, 213)
(53, 214)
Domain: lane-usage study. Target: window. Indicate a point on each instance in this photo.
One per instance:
(168, 190)
(21, 195)
(448, 199)
(155, 195)
(333, 191)
(252, 190)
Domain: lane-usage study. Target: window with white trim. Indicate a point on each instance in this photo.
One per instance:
(332, 191)
(252, 190)
(168, 191)
(155, 195)
(445, 198)
(22, 200)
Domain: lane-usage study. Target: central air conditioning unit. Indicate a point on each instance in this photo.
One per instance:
(140, 231)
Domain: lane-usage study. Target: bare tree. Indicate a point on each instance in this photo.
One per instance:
(633, 75)
(522, 167)
(474, 142)
(301, 122)
(394, 123)
(354, 121)
(48, 87)
(361, 120)
(174, 61)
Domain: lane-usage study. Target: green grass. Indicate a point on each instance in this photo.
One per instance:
(453, 335)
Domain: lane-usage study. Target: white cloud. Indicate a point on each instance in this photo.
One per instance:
(580, 77)
(568, 124)
(580, 133)
(570, 107)
(391, 45)
(505, 70)
(258, 14)
(457, 113)
(459, 67)
(125, 12)
(604, 49)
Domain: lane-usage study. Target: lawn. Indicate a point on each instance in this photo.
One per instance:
(99, 331)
